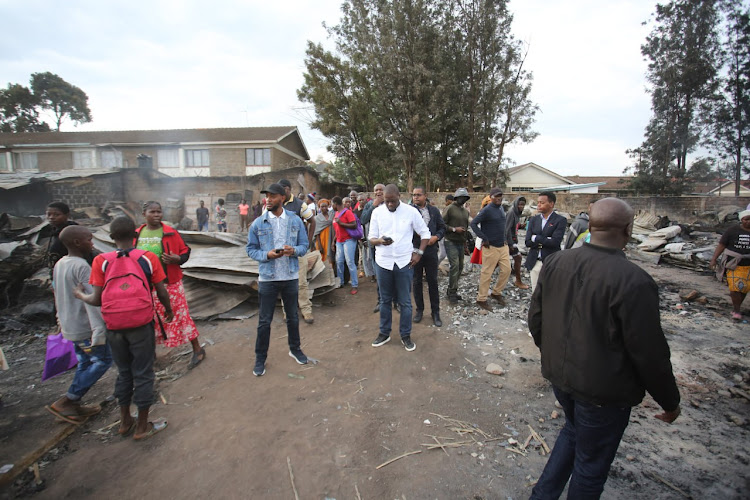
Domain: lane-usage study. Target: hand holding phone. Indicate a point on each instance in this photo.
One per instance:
(279, 251)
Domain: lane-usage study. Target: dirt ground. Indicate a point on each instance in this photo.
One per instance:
(233, 435)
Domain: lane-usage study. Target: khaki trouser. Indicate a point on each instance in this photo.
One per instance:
(535, 274)
(493, 257)
(303, 299)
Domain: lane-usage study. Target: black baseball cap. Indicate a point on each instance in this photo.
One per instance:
(274, 189)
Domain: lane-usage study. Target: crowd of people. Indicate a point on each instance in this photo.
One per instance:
(600, 357)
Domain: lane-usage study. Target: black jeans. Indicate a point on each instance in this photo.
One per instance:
(584, 450)
(134, 352)
(427, 265)
(268, 291)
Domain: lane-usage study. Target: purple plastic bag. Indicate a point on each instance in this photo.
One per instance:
(61, 356)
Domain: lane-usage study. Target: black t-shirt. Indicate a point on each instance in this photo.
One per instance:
(737, 240)
(56, 250)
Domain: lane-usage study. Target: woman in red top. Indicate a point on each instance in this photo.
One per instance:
(167, 244)
(346, 246)
(244, 210)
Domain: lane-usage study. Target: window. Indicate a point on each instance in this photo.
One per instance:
(111, 159)
(521, 189)
(168, 158)
(3, 163)
(258, 156)
(197, 158)
(82, 159)
(26, 162)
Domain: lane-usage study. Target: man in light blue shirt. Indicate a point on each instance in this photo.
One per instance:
(276, 240)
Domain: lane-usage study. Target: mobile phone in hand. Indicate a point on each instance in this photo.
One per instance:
(387, 239)
(279, 251)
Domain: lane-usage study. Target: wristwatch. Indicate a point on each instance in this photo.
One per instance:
(418, 251)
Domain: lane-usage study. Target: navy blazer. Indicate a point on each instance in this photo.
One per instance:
(548, 240)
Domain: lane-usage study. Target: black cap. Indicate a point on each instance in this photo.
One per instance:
(274, 189)
(285, 183)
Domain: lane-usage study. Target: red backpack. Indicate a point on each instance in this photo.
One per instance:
(126, 295)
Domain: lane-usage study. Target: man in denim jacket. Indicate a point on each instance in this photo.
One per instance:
(276, 240)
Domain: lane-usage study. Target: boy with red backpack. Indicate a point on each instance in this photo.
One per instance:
(122, 283)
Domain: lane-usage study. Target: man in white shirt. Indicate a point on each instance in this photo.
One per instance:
(391, 229)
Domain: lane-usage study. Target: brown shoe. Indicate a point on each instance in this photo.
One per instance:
(485, 306)
(88, 410)
(499, 298)
(520, 285)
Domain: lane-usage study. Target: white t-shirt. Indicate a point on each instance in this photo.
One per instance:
(401, 226)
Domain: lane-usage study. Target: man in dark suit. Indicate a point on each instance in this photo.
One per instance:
(428, 264)
(545, 234)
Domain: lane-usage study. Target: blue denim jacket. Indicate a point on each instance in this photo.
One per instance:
(260, 242)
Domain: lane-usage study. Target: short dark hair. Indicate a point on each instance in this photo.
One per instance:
(550, 196)
(149, 203)
(220, 201)
(419, 187)
(448, 197)
(63, 207)
(521, 199)
(336, 200)
(122, 228)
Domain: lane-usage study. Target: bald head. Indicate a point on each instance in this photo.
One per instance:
(392, 195)
(610, 222)
(72, 233)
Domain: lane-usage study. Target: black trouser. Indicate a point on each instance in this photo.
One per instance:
(134, 352)
(428, 265)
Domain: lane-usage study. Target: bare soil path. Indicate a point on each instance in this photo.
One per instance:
(230, 434)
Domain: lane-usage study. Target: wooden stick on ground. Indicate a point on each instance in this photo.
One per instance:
(29, 459)
(657, 477)
(470, 361)
(398, 458)
(539, 438)
(357, 490)
(440, 444)
(291, 476)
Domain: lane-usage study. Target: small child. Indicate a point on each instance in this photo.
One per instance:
(80, 323)
(133, 349)
(221, 216)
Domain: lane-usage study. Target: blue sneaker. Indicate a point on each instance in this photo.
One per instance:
(260, 368)
(298, 356)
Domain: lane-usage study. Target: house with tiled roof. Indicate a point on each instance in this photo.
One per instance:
(211, 152)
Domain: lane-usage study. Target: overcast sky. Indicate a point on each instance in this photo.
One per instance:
(190, 64)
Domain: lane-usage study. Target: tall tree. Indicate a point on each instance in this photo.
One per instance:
(63, 99)
(730, 120)
(683, 54)
(19, 110)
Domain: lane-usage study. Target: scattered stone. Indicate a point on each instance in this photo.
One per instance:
(497, 386)
(689, 295)
(737, 377)
(629, 458)
(494, 369)
(512, 441)
(541, 420)
(702, 301)
(557, 404)
(736, 419)
(695, 403)
(554, 415)
(724, 393)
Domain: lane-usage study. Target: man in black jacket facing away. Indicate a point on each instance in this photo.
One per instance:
(428, 264)
(595, 317)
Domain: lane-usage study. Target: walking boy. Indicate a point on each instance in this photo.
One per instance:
(121, 286)
(81, 323)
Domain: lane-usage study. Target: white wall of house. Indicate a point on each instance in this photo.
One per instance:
(533, 178)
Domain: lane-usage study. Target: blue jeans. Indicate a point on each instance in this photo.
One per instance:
(268, 291)
(91, 366)
(346, 250)
(395, 284)
(584, 450)
(203, 226)
(368, 259)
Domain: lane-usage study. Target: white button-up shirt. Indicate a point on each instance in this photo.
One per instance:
(401, 226)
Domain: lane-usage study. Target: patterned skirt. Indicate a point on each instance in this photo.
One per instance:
(182, 328)
(739, 279)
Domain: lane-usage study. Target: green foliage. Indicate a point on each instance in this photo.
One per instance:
(426, 91)
(20, 106)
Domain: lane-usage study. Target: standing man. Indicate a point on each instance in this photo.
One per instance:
(602, 348)
(366, 217)
(391, 230)
(545, 234)
(494, 249)
(456, 219)
(301, 210)
(579, 226)
(276, 240)
(428, 264)
(201, 214)
(512, 217)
